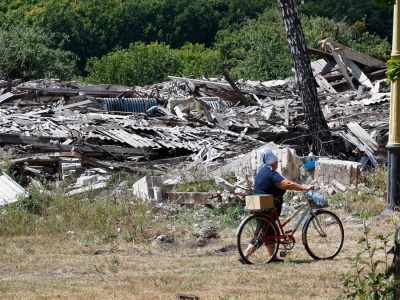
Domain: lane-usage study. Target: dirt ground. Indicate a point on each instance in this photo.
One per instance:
(69, 267)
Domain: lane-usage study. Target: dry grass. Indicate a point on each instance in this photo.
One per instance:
(108, 247)
(65, 266)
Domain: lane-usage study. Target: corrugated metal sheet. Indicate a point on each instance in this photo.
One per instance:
(10, 191)
(216, 102)
(139, 105)
(134, 140)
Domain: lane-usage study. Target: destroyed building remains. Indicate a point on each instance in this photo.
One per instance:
(52, 129)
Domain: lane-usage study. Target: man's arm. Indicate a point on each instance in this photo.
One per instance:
(287, 184)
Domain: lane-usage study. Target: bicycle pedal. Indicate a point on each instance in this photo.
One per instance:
(288, 231)
(282, 254)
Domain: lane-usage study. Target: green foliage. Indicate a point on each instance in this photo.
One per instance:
(228, 214)
(384, 2)
(197, 61)
(6, 165)
(367, 280)
(139, 65)
(378, 19)
(97, 31)
(350, 36)
(121, 176)
(96, 27)
(359, 26)
(29, 53)
(372, 45)
(236, 12)
(104, 217)
(259, 50)
(147, 64)
(37, 203)
(394, 70)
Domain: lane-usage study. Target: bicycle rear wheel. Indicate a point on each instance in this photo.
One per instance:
(323, 235)
(255, 239)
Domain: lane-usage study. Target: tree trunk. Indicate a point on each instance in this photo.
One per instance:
(319, 130)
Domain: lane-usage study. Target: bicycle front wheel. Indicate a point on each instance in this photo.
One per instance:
(256, 239)
(323, 235)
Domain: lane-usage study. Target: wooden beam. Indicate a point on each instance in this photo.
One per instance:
(341, 64)
(243, 99)
(352, 54)
(357, 73)
(324, 84)
(319, 53)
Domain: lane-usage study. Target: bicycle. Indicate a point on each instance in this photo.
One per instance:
(259, 236)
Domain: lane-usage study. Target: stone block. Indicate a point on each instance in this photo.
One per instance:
(149, 188)
(246, 165)
(340, 171)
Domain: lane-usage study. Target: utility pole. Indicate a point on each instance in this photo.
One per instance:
(393, 145)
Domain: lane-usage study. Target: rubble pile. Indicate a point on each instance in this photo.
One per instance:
(53, 129)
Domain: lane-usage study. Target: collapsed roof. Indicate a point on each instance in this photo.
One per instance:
(118, 127)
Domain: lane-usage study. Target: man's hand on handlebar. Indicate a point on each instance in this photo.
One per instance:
(308, 187)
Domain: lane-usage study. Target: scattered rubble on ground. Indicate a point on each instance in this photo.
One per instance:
(81, 133)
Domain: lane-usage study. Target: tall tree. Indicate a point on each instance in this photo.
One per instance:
(319, 130)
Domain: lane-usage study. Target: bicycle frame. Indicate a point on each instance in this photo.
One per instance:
(266, 228)
(306, 210)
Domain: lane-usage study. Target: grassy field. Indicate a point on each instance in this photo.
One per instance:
(109, 246)
(79, 266)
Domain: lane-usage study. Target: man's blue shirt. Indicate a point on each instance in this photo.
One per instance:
(266, 182)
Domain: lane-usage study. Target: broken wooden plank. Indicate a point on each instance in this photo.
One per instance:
(353, 54)
(92, 162)
(90, 91)
(286, 112)
(6, 96)
(341, 64)
(324, 84)
(318, 52)
(356, 142)
(358, 131)
(243, 99)
(357, 73)
(59, 108)
(323, 67)
(219, 120)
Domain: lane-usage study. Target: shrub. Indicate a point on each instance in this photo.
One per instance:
(197, 61)
(30, 53)
(366, 280)
(142, 64)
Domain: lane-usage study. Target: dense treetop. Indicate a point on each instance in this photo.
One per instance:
(247, 37)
